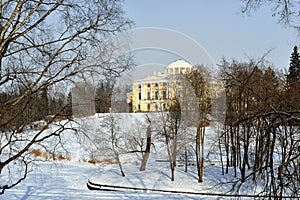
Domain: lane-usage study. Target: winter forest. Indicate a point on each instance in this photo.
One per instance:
(249, 137)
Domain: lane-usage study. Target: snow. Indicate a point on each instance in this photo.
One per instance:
(68, 179)
(158, 178)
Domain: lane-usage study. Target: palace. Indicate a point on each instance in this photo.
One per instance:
(154, 92)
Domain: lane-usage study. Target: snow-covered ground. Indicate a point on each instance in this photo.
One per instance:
(68, 179)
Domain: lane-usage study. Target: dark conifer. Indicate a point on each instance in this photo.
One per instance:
(294, 69)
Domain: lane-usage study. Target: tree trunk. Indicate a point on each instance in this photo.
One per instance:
(186, 160)
(202, 154)
(227, 150)
(201, 171)
(172, 172)
(120, 165)
(221, 155)
(198, 165)
(144, 161)
(233, 147)
(198, 139)
(147, 151)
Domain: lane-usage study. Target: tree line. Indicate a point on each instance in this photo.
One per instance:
(261, 138)
(47, 103)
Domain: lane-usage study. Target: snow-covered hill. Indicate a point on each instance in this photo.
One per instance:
(66, 178)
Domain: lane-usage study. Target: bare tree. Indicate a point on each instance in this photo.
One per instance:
(42, 44)
(171, 123)
(287, 11)
(261, 133)
(188, 111)
(177, 119)
(110, 122)
(105, 142)
(188, 107)
(198, 81)
(148, 145)
(114, 137)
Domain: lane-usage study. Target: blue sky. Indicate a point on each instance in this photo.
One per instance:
(218, 26)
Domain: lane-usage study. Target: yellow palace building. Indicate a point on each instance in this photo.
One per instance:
(153, 92)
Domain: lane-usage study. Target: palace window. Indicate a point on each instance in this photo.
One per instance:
(164, 94)
(156, 107)
(156, 94)
(148, 96)
(164, 85)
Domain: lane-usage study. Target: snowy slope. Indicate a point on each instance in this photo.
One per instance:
(68, 179)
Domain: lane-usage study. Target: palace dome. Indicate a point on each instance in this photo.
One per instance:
(179, 66)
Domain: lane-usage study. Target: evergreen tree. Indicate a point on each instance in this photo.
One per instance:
(53, 106)
(293, 82)
(103, 96)
(43, 104)
(69, 111)
(294, 69)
